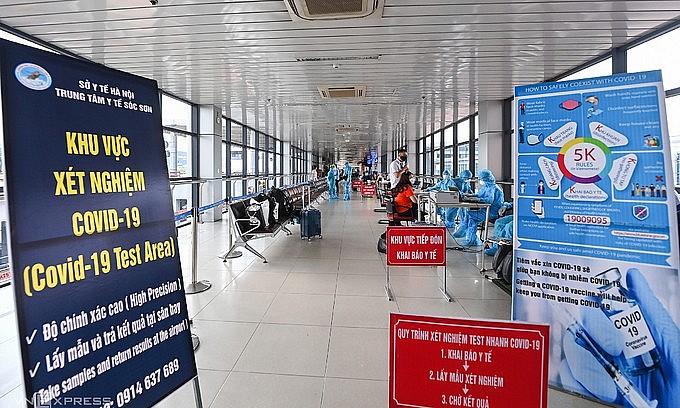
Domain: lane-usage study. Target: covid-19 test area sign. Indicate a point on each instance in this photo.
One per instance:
(100, 303)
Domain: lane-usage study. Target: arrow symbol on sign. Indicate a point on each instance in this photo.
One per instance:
(465, 389)
(466, 366)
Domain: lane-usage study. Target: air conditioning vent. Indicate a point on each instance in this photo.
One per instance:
(305, 10)
(342, 92)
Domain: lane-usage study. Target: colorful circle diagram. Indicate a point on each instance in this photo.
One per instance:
(585, 160)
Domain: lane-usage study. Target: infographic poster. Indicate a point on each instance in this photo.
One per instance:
(596, 236)
(101, 309)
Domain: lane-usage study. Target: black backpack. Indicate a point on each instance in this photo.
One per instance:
(502, 262)
(285, 208)
(382, 243)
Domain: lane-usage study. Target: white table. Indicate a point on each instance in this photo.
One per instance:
(470, 205)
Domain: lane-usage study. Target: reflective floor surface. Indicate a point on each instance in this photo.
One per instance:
(307, 329)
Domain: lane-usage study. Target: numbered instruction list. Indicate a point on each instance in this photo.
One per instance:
(437, 362)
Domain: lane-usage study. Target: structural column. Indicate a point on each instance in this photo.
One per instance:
(210, 158)
(491, 137)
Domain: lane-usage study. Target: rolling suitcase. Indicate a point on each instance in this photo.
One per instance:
(310, 223)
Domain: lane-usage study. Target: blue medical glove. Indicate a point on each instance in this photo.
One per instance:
(663, 383)
(580, 371)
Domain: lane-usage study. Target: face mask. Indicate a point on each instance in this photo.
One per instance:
(403, 157)
(534, 139)
(446, 177)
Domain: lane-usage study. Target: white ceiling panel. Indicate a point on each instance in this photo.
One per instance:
(242, 55)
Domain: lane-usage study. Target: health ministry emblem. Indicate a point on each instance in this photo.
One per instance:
(33, 76)
(641, 212)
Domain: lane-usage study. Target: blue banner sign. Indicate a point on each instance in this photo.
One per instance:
(101, 309)
(596, 236)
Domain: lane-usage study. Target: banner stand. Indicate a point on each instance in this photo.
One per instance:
(197, 393)
(444, 289)
(388, 288)
(414, 247)
(195, 286)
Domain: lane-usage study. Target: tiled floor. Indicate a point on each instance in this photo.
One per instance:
(307, 329)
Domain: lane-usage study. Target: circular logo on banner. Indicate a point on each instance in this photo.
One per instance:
(585, 160)
(33, 76)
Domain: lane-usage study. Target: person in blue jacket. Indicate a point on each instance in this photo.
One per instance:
(502, 228)
(447, 214)
(348, 180)
(489, 193)
(332, 175)
(463, 184)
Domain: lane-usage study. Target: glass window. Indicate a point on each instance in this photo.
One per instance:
(250, 186)
(448, 136)
(271, 169)
(236, 161)
(428, 163)
(178, 153)
(476, 158)
(658, 53)
(176, 114)
(428, 143)
(437, 162)
(476, 127)
(250, 137)
(448, 159)
(237, 188)
(236, 132)
(673, 113)
(437, 143)
(261, 163)
(602, 68)
(463, 131)
(262, 141)
(463, 157)
(250, 160)
(421, 163)
(181, 197)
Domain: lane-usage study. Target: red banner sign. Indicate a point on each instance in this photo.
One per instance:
(416, 246)
(367, 189)
(440, 362)
(357, 184)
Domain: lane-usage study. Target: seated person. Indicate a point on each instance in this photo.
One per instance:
(404, 197)
(489, 193)
(367, 177)
(502, 228)
(447, 214)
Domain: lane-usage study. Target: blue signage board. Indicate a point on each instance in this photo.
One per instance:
(596, 235)
(101, 308)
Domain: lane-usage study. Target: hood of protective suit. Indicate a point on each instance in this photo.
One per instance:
(446, 173)
(465, 174)
(487, 177)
